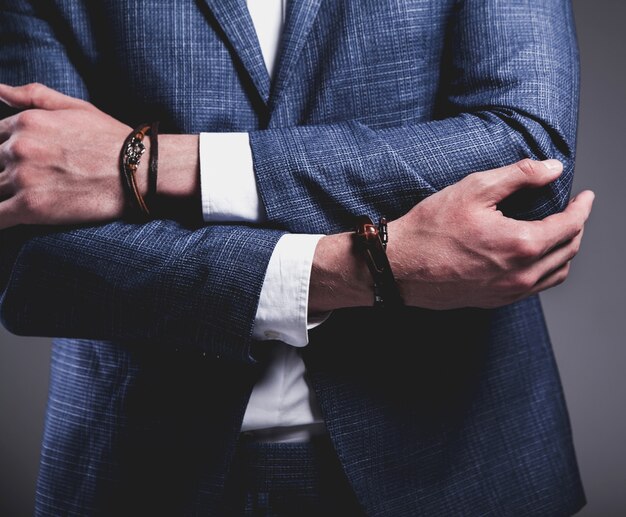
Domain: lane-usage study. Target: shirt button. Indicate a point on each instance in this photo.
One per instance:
(271, 334)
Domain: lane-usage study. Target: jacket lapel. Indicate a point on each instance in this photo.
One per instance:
(234, 19)
(298, 22)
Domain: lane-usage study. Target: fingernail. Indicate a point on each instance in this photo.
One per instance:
(552, 164)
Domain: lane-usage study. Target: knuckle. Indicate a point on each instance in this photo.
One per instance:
(19, 178)
(30, 202)
(576, 224)
(27, 119)
(513, 286)
(526, 167)
(34, 90)
(524, 282)
(18, 148)
(525, 246)
(482, 181)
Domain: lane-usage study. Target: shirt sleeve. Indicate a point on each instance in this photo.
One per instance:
(229, 194)
(228, 185)
(282, 313)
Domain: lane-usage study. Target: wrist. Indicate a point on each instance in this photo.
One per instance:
(179, 170)
(406, 267)
(137, 201)
(339, 276)
(371, 242)
(178, 185)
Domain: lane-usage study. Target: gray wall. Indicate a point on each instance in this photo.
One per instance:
(584, 315)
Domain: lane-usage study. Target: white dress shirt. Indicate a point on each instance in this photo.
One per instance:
(282, 407)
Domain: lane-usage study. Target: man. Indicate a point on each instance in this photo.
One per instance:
(237, 364)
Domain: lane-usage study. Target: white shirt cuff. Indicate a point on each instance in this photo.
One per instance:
(282, 313)
(227, 181)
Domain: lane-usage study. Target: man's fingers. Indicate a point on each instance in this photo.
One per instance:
(6, 188)
(554, 278)
(557, 258)
(9, 213)
(559, 228)
(584, 199)
(7, 127)
(35, 95)
(497, 184)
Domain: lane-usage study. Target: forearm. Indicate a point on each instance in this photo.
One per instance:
(159, 282)
(330, 174)
(386, 172)
(316, 178)
(504, 104)
(339, 276)
(455, 249)
(507, 90)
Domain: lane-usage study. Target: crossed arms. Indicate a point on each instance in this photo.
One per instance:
(199, 287)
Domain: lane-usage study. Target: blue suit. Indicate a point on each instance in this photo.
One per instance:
(375, 106)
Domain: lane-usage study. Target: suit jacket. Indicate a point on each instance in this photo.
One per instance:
(375, 106)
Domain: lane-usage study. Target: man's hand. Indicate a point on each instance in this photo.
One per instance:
(59, 161)
(456, 249)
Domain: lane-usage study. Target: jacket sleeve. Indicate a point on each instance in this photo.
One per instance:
(162, 282)
(509, 90)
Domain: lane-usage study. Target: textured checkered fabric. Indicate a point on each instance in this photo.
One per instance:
(282, 479)
(376, 105)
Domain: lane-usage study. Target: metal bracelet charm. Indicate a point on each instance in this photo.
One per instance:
(134, 151)
(130, 158)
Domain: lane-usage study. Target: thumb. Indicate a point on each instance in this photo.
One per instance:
(35, 95)
(497, 184)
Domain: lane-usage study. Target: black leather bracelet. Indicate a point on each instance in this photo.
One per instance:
(153, 167)
(371, 242)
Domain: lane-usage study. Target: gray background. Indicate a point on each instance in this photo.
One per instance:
(584, 314)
